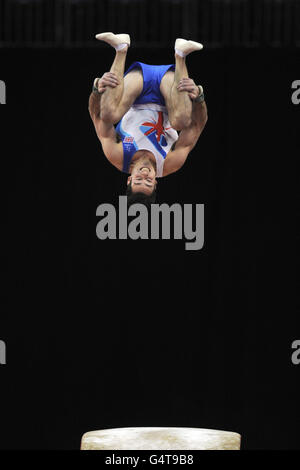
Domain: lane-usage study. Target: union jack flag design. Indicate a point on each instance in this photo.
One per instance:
(128, 139)
(155, 130)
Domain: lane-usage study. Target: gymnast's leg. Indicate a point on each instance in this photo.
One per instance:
(178, 103)
(115, 102)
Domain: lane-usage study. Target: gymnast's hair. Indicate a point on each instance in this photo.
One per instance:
(139, 197)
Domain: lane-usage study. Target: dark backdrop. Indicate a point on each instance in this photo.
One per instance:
(115, 333)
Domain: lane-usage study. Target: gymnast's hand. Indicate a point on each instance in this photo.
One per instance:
(188, 84)
(108, 79)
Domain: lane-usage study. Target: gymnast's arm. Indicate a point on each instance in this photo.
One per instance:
(105, 130)
(187, 139)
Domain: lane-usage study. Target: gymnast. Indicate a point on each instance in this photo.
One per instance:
(137, 114)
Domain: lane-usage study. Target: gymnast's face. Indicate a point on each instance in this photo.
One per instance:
(143, 176)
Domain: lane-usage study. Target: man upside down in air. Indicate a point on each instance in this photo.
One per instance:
(148, 104)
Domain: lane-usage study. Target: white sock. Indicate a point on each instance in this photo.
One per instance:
(120, 46)
(178, 52)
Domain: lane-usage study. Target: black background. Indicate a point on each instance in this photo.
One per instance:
(112, 333)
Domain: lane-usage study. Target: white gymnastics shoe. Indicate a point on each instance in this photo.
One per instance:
(184, 47)
(118, 41)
